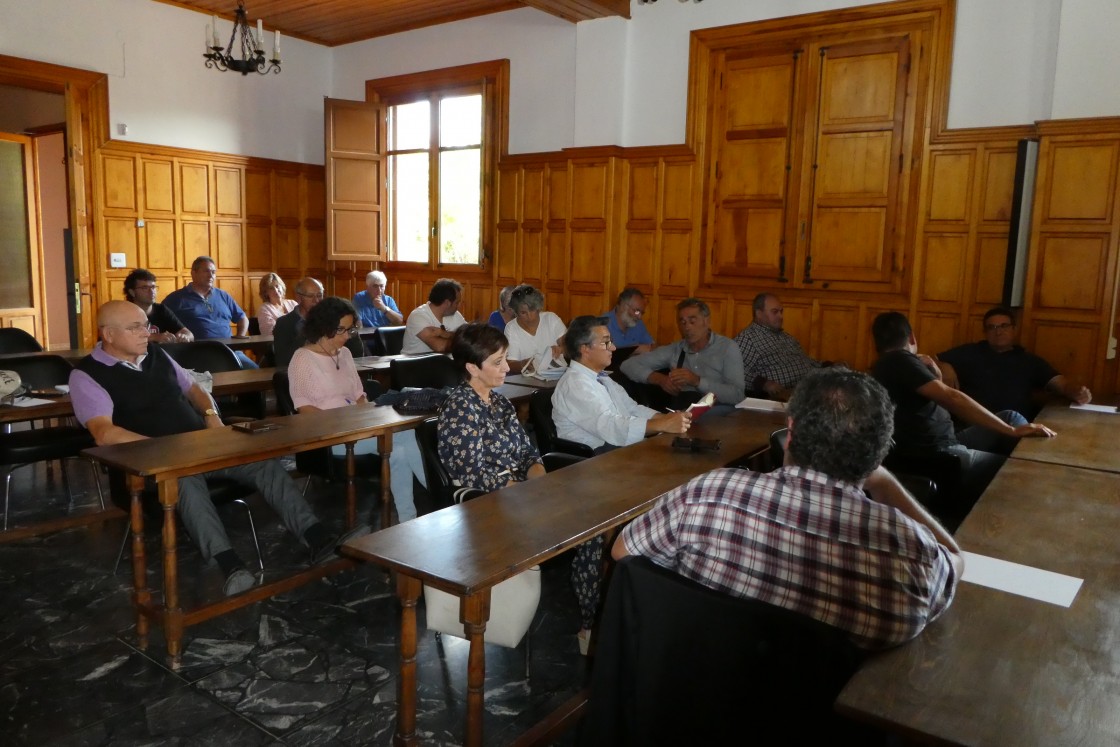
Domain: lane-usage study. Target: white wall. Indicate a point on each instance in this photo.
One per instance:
(1015, 61)
(158, 86)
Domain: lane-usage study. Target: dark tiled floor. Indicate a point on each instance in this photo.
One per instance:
(316, 666)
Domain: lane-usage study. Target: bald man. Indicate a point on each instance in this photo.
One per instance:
(287, 336)
(128, 389)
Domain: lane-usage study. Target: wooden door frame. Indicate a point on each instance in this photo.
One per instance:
(87, 129)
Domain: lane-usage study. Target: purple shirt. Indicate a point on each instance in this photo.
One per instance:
(90, 400)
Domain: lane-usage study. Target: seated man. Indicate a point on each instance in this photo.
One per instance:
(624, 322)
(374, 308)
(589, 408)
(430, 326)
(140, 288)
(806, 537)
(129, 389)
(208, 311)
(925, 408)
(773, 360)
(1001, 375)
(287, 335)
(699, 363)
(501, 316)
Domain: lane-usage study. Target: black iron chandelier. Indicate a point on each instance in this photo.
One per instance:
(251, 46)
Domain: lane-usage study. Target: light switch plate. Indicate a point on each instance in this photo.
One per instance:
(116, 259)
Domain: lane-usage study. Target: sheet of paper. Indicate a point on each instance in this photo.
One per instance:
(31, 402)
(1023, 580)
(753, 403)
(1094, 408)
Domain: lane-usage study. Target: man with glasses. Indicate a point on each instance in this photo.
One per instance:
(163, 326)
(590, 408)
(287, 336)
(129, 390)
(624, 322)
(1001, 375)
(374, 307)
(208, 311)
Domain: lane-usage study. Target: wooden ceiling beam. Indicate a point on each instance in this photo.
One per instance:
(582, 10)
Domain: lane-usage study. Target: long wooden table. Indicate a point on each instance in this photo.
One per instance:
(168, 458)
(1001, 669)
(469, 548)
(1085, 439)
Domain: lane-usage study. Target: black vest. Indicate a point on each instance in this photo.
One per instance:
(147, 401)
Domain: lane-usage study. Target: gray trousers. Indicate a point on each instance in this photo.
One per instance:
(200, 517)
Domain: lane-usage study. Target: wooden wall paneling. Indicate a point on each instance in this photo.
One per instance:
(230, 244)
(990, 264)
(194, 189)
(228, 189)
(999, 184)
(159, 244)
(258, 244)
(532, 268)
(797, 320)
(1071, 271)
(1082, 179)
(118, 182)
(836, 333)
(287, 223)
(935, 332)
(258, 194)
(558, 226)
(591, 246)
(158, 185)
(950, 199)
(313, 237)
(121, 236)
(1071, 348)
(506, 259)
(944, 263)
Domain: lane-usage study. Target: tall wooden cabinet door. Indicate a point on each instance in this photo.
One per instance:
(855, 222)
(354, 135)
(752, 142)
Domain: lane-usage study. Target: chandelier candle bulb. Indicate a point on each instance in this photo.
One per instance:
(259, 44)
(216, 42)
(276, 46)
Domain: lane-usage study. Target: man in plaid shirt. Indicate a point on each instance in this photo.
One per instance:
(773, 360)
(807, 537)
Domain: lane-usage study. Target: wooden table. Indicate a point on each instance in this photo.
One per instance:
(1000, 669)
(170, 457)
(468, 548)
(1085, 439)
(531, 381)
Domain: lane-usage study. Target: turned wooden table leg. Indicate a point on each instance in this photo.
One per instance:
(474, 611)
(351, 487)
(172, 612)
(408, 591)
(142, 595)
(385, 448)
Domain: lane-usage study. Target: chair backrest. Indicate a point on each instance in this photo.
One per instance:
(283, 395)
(778, 447)
(763, 668)
(15, 340)
(40, 371)
(540, 417)
(203, 355)
(436, 371)
(254, 325)
(392, 340)
(440, 486)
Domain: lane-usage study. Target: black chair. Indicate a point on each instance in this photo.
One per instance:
(391, 340)
(15, 340)
(678, 663)
(540, 417)
(435, 371)
(322, 462)
(443, 491)
(943, 471)
(25, 447)
(215, 357)
(254, 326)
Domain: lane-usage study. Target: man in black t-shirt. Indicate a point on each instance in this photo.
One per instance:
(140, 288)
(1001, 375)
(925, 408)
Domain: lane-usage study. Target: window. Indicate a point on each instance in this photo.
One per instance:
(434, 170)
(444, 132)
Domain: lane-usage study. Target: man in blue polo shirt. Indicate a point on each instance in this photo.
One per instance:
(374, 307)
(208, 311)
(624, 322)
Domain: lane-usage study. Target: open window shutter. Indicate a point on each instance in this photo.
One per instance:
(354, 135)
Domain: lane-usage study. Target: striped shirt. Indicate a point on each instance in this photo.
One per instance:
(798, 539)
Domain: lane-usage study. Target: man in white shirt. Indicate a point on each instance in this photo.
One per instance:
(430, 326)
(590, 408)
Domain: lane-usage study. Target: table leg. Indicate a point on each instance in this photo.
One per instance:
(408, 591)
(385, 448)
(474, 611)
(351, 487)
(172, 612)
(142, 595)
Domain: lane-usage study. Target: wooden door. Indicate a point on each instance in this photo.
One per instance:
(851, 228)
(750, 172)
(355, 172)
(20, 288)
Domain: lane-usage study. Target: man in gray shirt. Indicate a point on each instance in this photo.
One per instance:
(699, 363)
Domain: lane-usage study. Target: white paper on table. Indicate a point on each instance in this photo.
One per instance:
(1033, 583)
(31, 402)
(1094, 408)
(753, 403)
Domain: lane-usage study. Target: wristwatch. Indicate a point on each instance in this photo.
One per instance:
(209, 411)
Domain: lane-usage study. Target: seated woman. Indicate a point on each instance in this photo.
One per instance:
(273, 304)
(534, 335)
(482, 445)
(322, 376)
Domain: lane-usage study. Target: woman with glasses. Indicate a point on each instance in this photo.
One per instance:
(273, 304)
(534, 334)
(323, 376)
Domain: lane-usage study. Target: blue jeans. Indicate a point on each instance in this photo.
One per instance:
(404, 463)
(982, 439)
(246, 361)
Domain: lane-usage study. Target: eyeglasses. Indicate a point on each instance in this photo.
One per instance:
(606, 343)
(346, 330)
(151, 287)
(310, 295)
(136, 328)
(998, 327)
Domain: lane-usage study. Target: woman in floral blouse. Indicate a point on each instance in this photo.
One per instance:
(481, 443)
